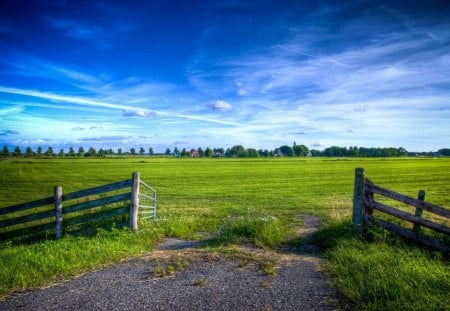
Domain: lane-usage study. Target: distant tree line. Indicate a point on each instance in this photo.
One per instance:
(237, 151)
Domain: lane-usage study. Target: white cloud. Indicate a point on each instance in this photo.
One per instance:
(221, 105)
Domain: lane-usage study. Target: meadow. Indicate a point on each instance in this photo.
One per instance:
(219, 195)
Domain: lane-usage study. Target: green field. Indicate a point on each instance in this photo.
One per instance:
(198, 195)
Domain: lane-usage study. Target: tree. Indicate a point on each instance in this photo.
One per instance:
(287, 151)
(101, 153)
(39, 151)
(91, 152)
(150, 151)
(252, 153)
(49, 152)
(263, 153)
(183, 152)
(141, 151)
(176, 151)
(208, 152)
(61, 153)
(71, 152)
(237, 151)
(167, 151)
(133, 151)
(445, 152)
(80, 151)
(29, 152)
(5, 151)
(17, 152)
(219, 152)
(300, 150)
(200, 151)
(119, 151)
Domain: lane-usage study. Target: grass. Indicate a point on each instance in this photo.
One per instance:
(384, 274)
(31, 265)
(170, 266)
(242, 200)
(262, 230)
(200, 281)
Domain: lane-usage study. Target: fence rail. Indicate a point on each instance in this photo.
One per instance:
(54, 219)
(364, 204)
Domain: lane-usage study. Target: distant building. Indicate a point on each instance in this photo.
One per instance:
(194, 153)
(278, 153)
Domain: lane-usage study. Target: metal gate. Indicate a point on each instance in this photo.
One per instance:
(147, 201)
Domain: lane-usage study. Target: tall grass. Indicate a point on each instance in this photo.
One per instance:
(384, 274)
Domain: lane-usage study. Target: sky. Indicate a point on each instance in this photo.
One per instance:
(110, 74)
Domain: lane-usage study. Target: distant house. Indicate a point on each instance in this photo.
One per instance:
(194, 153)
(278, 153)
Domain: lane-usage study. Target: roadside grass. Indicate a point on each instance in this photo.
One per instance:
(242, 200)
(23, 266)
(384, 274)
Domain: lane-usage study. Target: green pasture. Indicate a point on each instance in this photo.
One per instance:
(253, 198)
(197, 186)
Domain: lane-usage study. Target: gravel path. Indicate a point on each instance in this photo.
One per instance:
(206, 281)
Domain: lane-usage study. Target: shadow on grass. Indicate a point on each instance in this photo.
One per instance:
(82, 230)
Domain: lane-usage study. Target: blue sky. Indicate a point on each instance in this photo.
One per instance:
(262, 74)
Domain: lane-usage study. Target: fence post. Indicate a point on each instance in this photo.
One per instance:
(58, 211)
(358, 200)
(421, 197)
(134, 201)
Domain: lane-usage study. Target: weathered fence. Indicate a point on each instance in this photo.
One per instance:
(364, 204)
(57, 217)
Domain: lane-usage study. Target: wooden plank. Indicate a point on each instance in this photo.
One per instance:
(58, 212)
(96, 216)
(96, 203)
(408, 200)
(358, 201)
(408, 234)
(26, 218)
(97, 190)
(407, 216)
(26, 206)
(418, 213)
(27, 231)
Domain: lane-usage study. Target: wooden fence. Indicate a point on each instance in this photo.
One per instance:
(364, 204)
(82, 208)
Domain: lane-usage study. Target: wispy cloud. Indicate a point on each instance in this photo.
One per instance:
(125, 109)
(138, 113)
(63, 98)
(76, 29)
(106, 138)
(8, 132)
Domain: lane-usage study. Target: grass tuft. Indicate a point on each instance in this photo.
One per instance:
(200, 281)
(263, 230)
